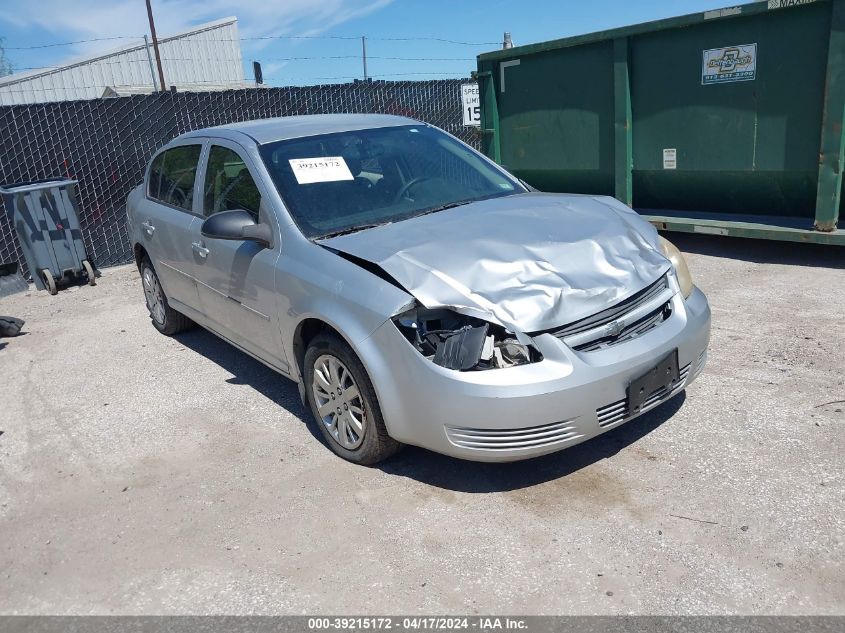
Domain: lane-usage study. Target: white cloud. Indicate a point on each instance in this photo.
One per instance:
(88, 19)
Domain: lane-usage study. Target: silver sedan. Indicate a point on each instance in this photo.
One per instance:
(416, 292)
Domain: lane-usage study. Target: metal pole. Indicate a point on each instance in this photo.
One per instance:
(155, 45)
(150, 59)
(364, 55)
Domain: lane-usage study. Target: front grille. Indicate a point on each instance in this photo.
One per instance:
(512, 439)
(622, 322)
(617, 412)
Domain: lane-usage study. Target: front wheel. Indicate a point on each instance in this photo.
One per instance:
(165, 319)
(344, 403)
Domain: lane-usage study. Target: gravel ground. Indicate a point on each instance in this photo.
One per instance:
(144, 474)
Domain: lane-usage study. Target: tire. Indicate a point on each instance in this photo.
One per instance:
(49, 281)
(165, 319)
(372, 444)
(92, 279)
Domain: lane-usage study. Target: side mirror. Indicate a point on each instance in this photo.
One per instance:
(236, 225)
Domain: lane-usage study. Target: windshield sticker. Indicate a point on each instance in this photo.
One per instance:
(324, 169)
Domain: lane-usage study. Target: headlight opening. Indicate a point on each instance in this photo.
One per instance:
(463, 343)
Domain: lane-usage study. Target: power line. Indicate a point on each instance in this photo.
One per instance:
(460, 74)
(122, 62)
(354, 37)
(432, 39)
(96, 39)
(404, 59)
(267, 59)
(267, 37)
(293, 37)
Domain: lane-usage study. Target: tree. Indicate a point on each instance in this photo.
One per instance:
(5, 65)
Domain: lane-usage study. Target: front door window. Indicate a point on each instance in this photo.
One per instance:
(228, 184)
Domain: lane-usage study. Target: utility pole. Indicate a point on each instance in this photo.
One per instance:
(155, 45)
(364, 55)
(150, 59)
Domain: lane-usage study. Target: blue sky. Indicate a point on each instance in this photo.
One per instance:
(481, 22)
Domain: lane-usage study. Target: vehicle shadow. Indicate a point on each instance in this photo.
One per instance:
(760, 251)
(423, 465)
(246, 370)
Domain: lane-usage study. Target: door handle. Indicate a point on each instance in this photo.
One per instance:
(199, 249)
(149, 229)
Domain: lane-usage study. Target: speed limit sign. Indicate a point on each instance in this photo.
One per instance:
(471, 105)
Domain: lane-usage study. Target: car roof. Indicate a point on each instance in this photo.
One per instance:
(287, 127)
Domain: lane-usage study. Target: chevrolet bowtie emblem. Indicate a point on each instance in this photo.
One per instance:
(615, 328)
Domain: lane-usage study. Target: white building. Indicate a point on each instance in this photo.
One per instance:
(206, 57)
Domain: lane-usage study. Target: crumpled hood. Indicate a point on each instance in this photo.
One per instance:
(529, 262)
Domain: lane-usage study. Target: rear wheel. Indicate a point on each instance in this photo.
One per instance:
(343, 402)
(165, 319)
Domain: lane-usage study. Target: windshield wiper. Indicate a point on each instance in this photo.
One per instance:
(361, 227)
(443, 207)
(350, 229)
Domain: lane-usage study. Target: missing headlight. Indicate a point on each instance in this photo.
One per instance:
(462, 343)
(462, 349)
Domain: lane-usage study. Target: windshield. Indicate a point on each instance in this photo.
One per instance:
(337, 183)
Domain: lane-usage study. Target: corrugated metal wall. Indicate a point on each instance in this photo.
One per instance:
(204, 58)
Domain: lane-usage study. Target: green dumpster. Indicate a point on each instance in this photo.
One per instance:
(727, 122)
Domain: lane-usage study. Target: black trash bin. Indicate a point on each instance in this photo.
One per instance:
(44, 214)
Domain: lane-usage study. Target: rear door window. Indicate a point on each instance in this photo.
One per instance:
(228, 184)
(172, 176)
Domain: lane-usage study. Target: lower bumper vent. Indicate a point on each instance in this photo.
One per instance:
(617, 412)
(512, 439)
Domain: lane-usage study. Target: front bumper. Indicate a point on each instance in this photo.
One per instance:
(521, 412)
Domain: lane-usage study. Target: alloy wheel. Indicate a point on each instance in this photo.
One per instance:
(153, 295)
(340, 407)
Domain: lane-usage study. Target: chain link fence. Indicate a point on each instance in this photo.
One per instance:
(105, 143)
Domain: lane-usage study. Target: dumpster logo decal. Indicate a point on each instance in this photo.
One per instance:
(783, 4)
(732, 63)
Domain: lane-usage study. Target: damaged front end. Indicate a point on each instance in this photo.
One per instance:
(463, 343)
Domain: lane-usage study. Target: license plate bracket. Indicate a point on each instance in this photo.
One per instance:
(663, 376)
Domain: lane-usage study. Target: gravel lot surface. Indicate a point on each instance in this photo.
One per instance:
(146, 474)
